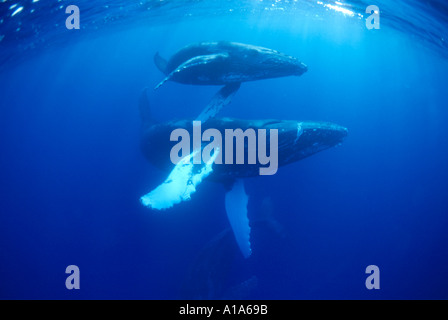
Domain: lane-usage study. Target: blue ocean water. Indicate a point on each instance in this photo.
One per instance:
(72, 171)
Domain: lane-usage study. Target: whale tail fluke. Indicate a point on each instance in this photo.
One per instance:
(161, 63)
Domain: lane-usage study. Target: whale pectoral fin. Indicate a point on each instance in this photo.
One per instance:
(236, 208)
(222, 98)
(192, 63)
(180, 184)
(160, 63)
(162, 82)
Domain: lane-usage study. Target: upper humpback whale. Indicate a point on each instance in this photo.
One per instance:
(296, 140)
(224, 63)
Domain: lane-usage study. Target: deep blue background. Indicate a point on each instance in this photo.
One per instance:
(72, 172)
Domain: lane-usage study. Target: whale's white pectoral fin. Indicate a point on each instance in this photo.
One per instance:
(201, 61)
(194, 62)
(220, 100)
(162, 82)
(180, 184)
(236, 208)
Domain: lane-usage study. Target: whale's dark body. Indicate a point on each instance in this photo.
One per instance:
(296, 141)
(228, 64)
(223, 63)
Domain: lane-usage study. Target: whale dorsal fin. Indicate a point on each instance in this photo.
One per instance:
(160, 63)
(192, 63)
(236, 208)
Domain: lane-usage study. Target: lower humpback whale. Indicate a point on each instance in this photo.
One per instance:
(296, 140)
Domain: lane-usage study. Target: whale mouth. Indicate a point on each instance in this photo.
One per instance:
(301, 69)
(321, 135)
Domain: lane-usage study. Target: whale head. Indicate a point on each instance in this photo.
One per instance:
(263, 63)
(313, 137)
(282, 65)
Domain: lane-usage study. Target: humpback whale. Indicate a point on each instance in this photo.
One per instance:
(296, 140)
(223, 63)
(226, 63)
